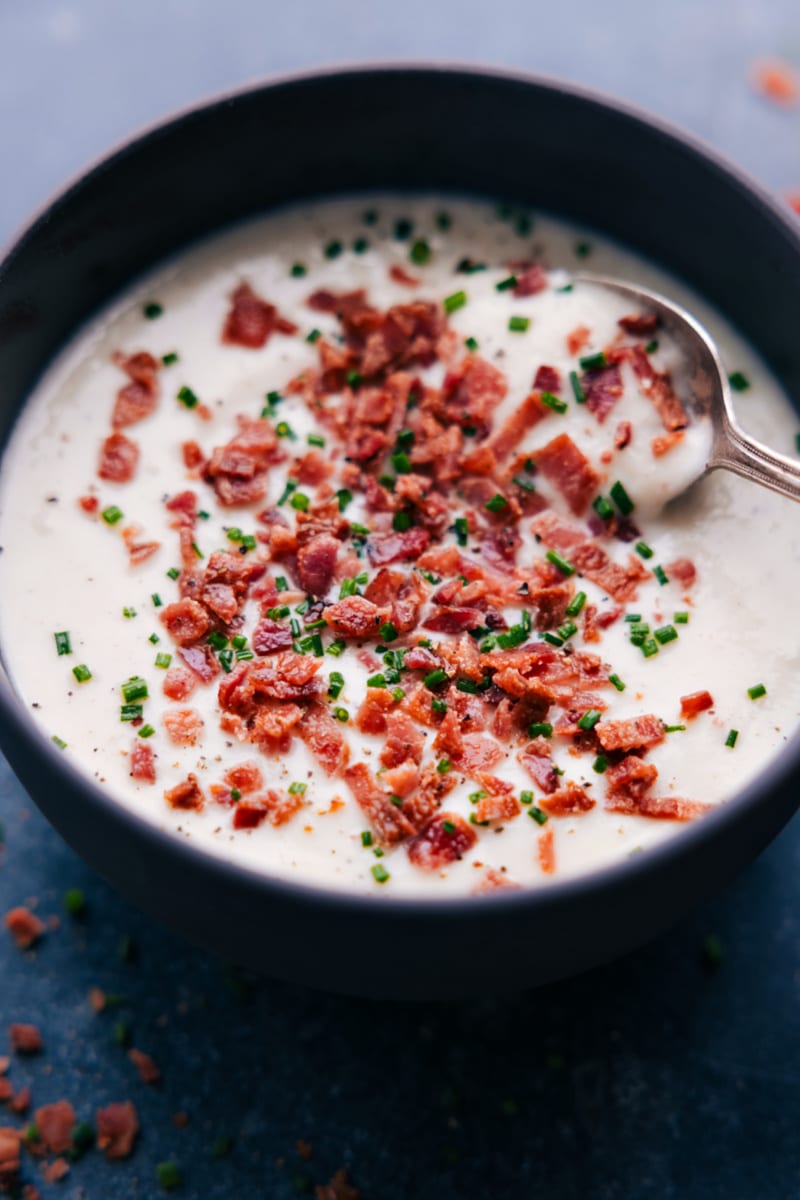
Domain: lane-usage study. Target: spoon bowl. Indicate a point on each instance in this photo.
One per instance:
(709, 392)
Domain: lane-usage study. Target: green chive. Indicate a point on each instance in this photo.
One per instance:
(300, 501)
(540, 729)
(112, 514)
(506, 284)
(552, 639)
(333, 249)
(337, 648)
(298, 789)
(455, 301)
(651, 347)
(578, 392)
(443, 221)
(443, 766)
(152, 310)
(538, 816)
(388, 631)
(82, 1139)
(649, 648)
(134, 688)
(370, 217)
(661, 575)
(583, 249)
(420, 253)
(298, 270)
(439, 706)
(564, 567)
(622, 499)
(82, 673)
(644, 550)
(435, 678)
(471, 344)
(379, 873)
(600, 763)
(593, 362)
(616, 682)
(681, 618)
(589, 719)
(461, 527)
(146, 731)
(519, 324)
(173, 572)
(739, 382)
(168, 1175)
(366, 838)
(555, 402)
(313, 336)
(674, 729)
(169, 359)
(74, 902)
(63, 643)
(730, 740)
(403, 228)
(497, 503)
(401, 462)
(341, 714)
(401, 521)
(667, 633)
(284, 430)
(62, 745)
(376, 681)
(187, 397)
(576, 604)
(603, 508)
(756, 692)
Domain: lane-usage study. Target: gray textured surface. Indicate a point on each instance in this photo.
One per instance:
(652, 1078)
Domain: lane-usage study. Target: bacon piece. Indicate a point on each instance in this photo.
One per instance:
(341, 303)
(117, 1127)
(665, 442)
(274, 725)
(682, 571)
(21, 1101)
(338, 1188)
(185, 505)
(664, 808)
(324, 737)
(383, 548)
(186, 621)
(138, 398)
(371, 716)
(25, 1039)
(446, 838)
(453, 620)
(531, 279)
(355, 617)
(569, 469)
(387, 819)
(478, 753)
(24, 926)
(312, 468)
(502, 806)
(285, 676)
(419, 658)
(250, 814)
(193, 457)
(550, 604)
(494, 881)
(696, 702)
(627, 782)
(404, 740)
(186, 794)
(602, 388)
(623, 435)
(145, 1065)
(238, 470)
(90, 505)
(316, 563)
(10, 1158)
(184, 726)
(143, 767)
(588, 557)
(635, 733)
(245, 777)
(471, 392)
(251, 320)
(537, 759)
(179, 683)
(657, 388)
(545, 850)
(401, 276)
(138, 552)
(269, 636)
(547, 379)
(578, 339)
(639, 324)
(569, 801)
(118, 459)
(55, 1123)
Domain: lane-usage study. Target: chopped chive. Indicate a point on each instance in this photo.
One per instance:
(600, 763)
(281, 584)
(420, 253)
(370, 217)
(603, 508)
(360, 245)
(455, 301)
(506, 284)
(354, 379)
(337, 649)
(756, 692)
(471, 344)
(401, 521)
(146, 731)
(730, 740)
(173, 572)
(467, 685)
(377, 681)
(583, 249)
(244, 655)
(525, 797)
(555, 402)
(379, 873)
(403, 229)
(577, 390)
(540, 729)
(397, 801)
(169, 359)
(667, 633)
(335, 685)
(163, 660)
(443, 221)
(589, 719)
(538, 816)
(443, 766)
(363, 531)
(315, 439)
(313, 336)
(168, 1175)
(197, 550)
(681, 618)
(74, 902)
(82, 673)
(157, 601)
(366, 838)
(82, 1138)
(564, 567)
(651, 347)
(388, 631)
(187, 397)
(616, 682)
(519, 324)
(633, 618)
(521, 482)
(461, 527)
(576, 604)
(63, 643)
(649, 647)
(661, 575)
(738, 381)
(344, 496)
(622, 499)
(298, 270)
(644, 550)
(62, 745)
(284, 430)
(112, 514)
(401, 462)
(674, 729)
(130, 712)
(333, 249)
(593, 362)
(467, 266)
(567, 630)
(300, 501)
(152, 310)
(217, 640)
(134, 688)
(298, 789)
(435, 678)
(154, 638)
(341, 714)
(497, 503)
(523, 225)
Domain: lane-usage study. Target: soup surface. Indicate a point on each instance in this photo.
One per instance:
(354, 545)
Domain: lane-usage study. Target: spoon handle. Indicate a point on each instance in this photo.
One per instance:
(737, 452)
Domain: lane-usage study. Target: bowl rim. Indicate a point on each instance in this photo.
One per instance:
(694, 837)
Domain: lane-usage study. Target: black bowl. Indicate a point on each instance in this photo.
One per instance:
(545, 144)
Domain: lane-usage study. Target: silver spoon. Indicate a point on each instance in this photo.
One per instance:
(710, 393)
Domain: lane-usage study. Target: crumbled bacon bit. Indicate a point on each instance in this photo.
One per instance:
(545, 849)
(338, 1188)
(682, 571)
(138, 398)
(24, 926)
(21, 1101)
(10, 1158)
(389, 821)
(246, 777)
(571, 800)
(627, 781)
(445, 839)
(90, 505)
(623, 435)
(696, 702)
(143, 767)
(25, 1039)
(401, 276)
(186, 621)
(186, 794)
(145, 1065)
(494, 881)
(639, 324)
(632, 734)
(324, 737)
(118, 459)
(193, 457)
(384, 548)
(55, 1171)
(316, 563)
(665, 442)
(602, 387)
(179, 683)
(184, 726)
(55, 1123)
(664, 808)
(355, 617)
(238, 470)
(502, 806)
(251, 320)
(531, 279)
(547, 379)
(117, 1127)
(578, 339)
(569, 469)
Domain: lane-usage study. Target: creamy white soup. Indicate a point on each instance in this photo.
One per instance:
(360, 545)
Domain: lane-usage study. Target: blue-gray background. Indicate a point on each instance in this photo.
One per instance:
(657, 1077)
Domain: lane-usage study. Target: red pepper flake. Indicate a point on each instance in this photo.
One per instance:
(25, 928)
(777, 81)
